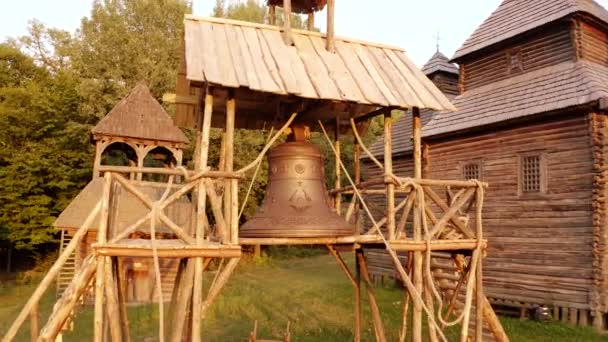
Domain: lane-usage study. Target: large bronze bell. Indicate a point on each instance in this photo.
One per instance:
(296, 202)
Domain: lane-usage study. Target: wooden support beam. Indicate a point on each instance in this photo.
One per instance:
(51, 276)
(231, 188)
(357, 337)
(287, 38)
(217, 286)
(175, 172)
(272, 15)
(331, 9)
(355, 280)
(34, 322)
(113, 310)
(200, 164)
(67, 303)
(468, 233)
(311, 21)
(337, 169)
(448, 216)
(388, 171)
(100, 273)
(183, 301)
(378, 326)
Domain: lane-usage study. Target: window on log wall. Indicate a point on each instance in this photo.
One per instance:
(471, 170)
(532, 173)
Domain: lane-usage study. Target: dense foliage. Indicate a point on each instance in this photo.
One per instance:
(56, 85)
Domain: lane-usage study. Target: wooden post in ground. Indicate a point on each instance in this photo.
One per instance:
(478, 272)
(203, 135)
(183, 298)
(113, 310)
(34, 322)
(418, 212)
(378, 327)
(100, 273)
(357, 161)
(338, 170)
(331, 8)
(122, 300)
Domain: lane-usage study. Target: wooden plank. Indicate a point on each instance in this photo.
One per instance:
(346, 84)
(428, 86)
(224, 57)
(375, 75)
(205, 48)
(394, 78)
(316, 70)
(416, 84)
(266, 82)
(288, 65)
(359, 73)
(272, 65)
(238, 62)
(193, 52)
(247, 60)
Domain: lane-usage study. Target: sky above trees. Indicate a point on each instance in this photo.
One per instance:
(410, 24)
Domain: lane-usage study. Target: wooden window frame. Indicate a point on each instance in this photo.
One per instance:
(514, 53)
(542, 172)
(464, 164)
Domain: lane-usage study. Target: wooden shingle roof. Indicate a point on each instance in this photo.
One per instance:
(439, 62)
(514, 17)
(238, 54)
(549, 89)
(139, 115)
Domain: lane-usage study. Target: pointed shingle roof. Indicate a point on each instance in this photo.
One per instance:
(439, 62)
(139, 115)
(514, 17)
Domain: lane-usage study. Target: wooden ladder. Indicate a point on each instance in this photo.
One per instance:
(66, 274)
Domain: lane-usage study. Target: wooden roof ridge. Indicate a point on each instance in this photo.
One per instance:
(139, 115)
(514, 17)
(558, 87)
(439, 62)
(235, 54)
(241, 23)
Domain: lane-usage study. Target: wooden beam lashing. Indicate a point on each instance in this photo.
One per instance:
(331, 8)
(287, 22)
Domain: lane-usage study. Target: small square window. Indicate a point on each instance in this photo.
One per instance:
(531, 174)
(514, 61)
(471, 171)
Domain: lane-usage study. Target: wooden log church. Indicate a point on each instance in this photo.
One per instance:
(532, 99)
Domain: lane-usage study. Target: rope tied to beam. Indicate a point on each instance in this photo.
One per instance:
(404, 276)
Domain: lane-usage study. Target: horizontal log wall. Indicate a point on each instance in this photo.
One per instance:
(448, 84)
(592, 43)
(540, 246)
(549, 47)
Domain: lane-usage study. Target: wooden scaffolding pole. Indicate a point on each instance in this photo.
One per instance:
(378, 327)
(337, 170)
(388, 171)
(101, 239)
(231, 184)
(356, 287)
(203, 136)
(331, 8)
(357, 156)
(287, 22)
(418, 212)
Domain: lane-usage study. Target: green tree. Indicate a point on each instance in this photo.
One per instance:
(44, 159)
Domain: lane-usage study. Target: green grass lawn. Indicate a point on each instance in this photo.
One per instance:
(310, 292)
